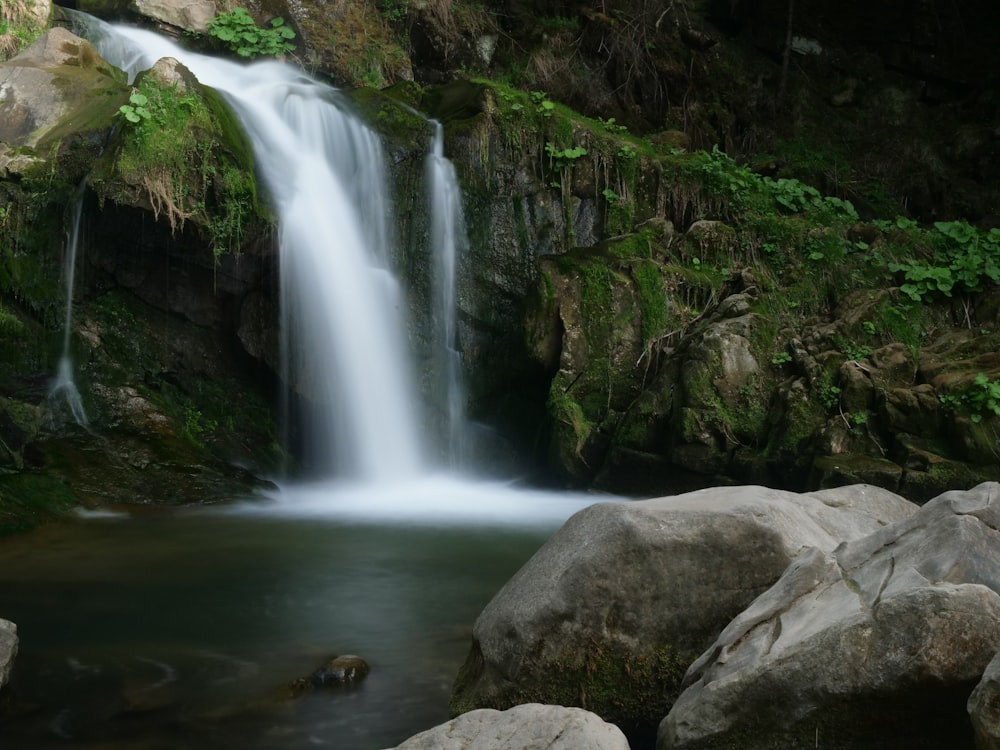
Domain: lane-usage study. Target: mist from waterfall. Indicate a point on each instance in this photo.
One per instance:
(64, 384)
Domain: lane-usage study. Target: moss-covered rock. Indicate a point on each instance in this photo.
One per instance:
(184, 158)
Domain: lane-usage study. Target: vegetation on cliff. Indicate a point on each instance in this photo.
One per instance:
(725, 276)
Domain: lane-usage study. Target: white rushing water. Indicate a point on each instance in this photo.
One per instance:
(64, 384)
(448, 242)
(342, 326)
(342, 330)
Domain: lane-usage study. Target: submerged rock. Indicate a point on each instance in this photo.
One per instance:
(338, 672)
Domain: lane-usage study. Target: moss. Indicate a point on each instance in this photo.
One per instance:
(633, 688)
(188, 160)
(28, 500)
(565, 411)
(648, 279)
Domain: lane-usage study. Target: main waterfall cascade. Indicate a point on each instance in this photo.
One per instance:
(342, 327)
(342, 332)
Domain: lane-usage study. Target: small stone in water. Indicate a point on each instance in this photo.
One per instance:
(341, 670)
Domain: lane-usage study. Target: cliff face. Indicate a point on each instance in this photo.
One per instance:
(634, 313)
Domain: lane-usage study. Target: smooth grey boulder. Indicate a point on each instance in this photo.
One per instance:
(875, 645)
(8, 650)
(193, 15)
(526, 727)
(610, 612)
(57, 85)
(984, 708)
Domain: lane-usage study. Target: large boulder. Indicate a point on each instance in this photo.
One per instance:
(8, 650)
(874, 645)
(526, 727)
(58, 86)
(613, 608)
(192, 15)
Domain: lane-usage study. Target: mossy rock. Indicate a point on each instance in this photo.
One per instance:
(187, 159)
(28, 499)
(835, 471)
(630, 687)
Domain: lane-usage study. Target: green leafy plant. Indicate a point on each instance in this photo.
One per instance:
(237, 30)
(135, 111)
(983, 396)
(979, 398)
(394, 11)
(828, 394)
(626, 153)
(610, 195)
(781, 358)
(964, 260)
(561, 158)
(543, 105)
(611, 126)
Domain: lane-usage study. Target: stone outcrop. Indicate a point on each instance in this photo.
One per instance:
(524, 727)
(874, 644)
(616, 605)
(700, 380)
(145, 370)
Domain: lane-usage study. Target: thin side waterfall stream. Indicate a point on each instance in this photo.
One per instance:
(183, 628)
(64, 384)
(449, 241)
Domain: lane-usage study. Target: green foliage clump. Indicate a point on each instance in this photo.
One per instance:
(964, 260)
(183, 152)
(980, 398)
(241, 35)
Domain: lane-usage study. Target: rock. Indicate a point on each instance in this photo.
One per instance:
(8, 650)
(340, 670)
(875, 644)
(613, 608)
(192, 15)
(60, 80)
(526, 727)
(984, 707)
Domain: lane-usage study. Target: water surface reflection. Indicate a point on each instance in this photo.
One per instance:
(180, 628)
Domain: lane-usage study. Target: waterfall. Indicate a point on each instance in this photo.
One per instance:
(448, 242)
(64, 384)
(341, 305)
